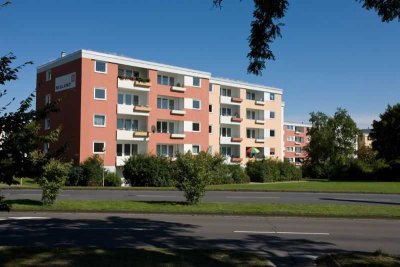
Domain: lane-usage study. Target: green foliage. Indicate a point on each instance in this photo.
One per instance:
(75, 176)
(332, 143)
(386, 134)
(270, 170)
(53, 178)
(111, 179)
(148, 170)
(238, 174)
(92, 171)
(3, 205)
(193, 175)
(366, 154)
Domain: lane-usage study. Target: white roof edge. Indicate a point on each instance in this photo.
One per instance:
(122, 60)
(244, 85)
(297, 123)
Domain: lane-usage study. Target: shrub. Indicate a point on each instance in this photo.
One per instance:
(75, 176)
(111, 179)
(92, 171)
(269, 170)
(148, 170)
(238, 174)
(192, 175)
(3, 205)
(53, 178)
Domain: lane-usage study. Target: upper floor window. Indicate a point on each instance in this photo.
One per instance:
(226, 151)
(48, 75)
(272, 114)
(289, 149)
(210, 129)
(226, 132)
(290, 138)
(165, 80)
(271, 96)
(251, 114)
(165, 150)
(226, 112)
(99, 120)
(196, 127)
(251, 133)
(165, 127)
(165, 103)
(290, 127)
(250, 96)
(226, 92)
(210, 89)
(127, 149)
(196, 81)
(196, 104)
(47, 123)
(99, 147)
(272, 133)
(99, 93)
(299, 139)
(100, 66)
(272, 151)
(47, 99)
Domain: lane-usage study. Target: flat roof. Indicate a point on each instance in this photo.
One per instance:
(301, 124)
(244, 85)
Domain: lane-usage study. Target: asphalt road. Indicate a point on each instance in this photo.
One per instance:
(281, 239)
(213, 196)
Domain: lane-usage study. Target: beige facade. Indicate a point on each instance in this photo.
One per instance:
(248, 116)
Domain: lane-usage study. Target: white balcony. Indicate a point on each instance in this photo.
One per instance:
(178, 136)
(228, 120)
(228, 100)
(224, 140)
(178, 89)
(120, 161)
(178, 112)
(129, 84)
(123, 135)
(131, 110)
(260, 102)
(260, 121)
(260, 140)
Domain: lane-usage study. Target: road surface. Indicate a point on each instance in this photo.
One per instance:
(213, 196)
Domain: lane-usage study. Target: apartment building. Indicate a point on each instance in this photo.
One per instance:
(116, 107)
(364, 139)
(295, 136)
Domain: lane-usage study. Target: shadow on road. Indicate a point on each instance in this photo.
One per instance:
(360, 201)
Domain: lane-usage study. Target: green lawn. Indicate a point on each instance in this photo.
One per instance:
(360, 259)
(301, 186)
(89, 257)
(263, 209)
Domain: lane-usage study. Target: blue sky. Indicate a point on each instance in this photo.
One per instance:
(332, 54)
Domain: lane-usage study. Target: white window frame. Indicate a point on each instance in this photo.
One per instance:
(198, 100)
(199, 127)
(104, 147)
(199, 82)
(48, 75)
(105, 93)
(105, 120)
(47, 99)
(290, 138)
(290, 127)
(95, 69)
(290, 149)
(193, 151)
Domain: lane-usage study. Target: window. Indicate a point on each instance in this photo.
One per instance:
(165, 103)
(272, 151)
(272, 133)
(289, 149)
(120, 99)
(226, 132)
(251, 133)
(210, 129)
(210, 89)
(290, 138)
(165, 127)
(196, 104)
(272, 114)
(290, 127)
(271, 96)
(195, 149)
(226, 112)
(99, 93)
(119, 150)
(250, 95)
(46, 148)
(121, 72)
(226, 151)
(47, 99)
(299, 139)
(196, 81)
(251, 114)
(299, 160)
(165, 150)
(47, 123)
(226, 92)
(128, 125)
(99, 120)
(48, 75)
(100, 66)
(289, 160)
(298, 149)
(210, 108)
(196, 127)
(120, 124)
(99, 147)
(165, 80)
(299, 129)
(127, 149)
(128, 99)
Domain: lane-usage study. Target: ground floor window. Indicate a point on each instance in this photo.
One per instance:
(165, 150)
(127, 150)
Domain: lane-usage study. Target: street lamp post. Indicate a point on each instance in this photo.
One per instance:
(104, 158)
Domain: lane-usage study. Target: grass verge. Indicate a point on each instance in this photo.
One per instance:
(262, 209)
(88, 257)
(301, 186)
(359, 259)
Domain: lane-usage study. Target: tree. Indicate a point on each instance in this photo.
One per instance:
(386, 134)
(332, 143)
(266, 26)
(53, 178)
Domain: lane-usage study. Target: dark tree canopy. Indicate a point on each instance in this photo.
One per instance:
(386, 133)
(266, 26)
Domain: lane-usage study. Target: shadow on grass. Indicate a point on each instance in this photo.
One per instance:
(26, 202)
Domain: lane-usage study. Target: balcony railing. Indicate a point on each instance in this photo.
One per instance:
(133, 83)
(178, 89)
(236, 119)
(180, 112)
(260, 102)
(178, 135)
(140, 108)
(259, 121)
(236, 139)
(260, 140)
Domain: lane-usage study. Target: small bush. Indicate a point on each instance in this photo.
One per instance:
(149, 170)
(92, 171)
(4, 206)
(238, 174)
(192, 175)
(111, 179)
(53, 178)
(269, 170)
(75, 176)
